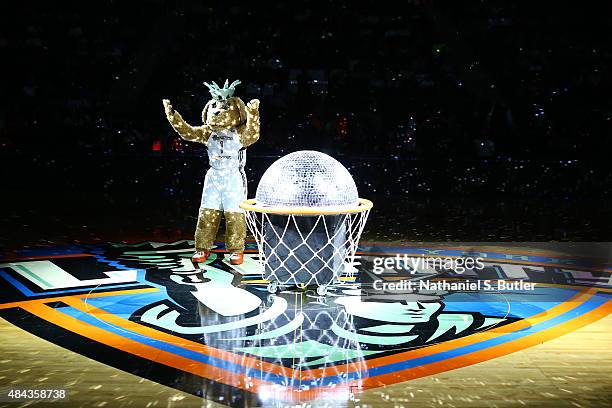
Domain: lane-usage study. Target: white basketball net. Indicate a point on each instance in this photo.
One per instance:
(306, 249)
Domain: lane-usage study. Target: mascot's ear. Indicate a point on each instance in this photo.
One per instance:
(205, 110)
(241, 109)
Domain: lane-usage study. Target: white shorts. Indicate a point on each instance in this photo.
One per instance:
(224, 190)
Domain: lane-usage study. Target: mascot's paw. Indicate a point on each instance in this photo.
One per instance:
(168, 107)
(253, 106)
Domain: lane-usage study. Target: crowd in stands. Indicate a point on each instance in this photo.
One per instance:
(417, 85)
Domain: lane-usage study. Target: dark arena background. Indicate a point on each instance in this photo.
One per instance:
(477, 128)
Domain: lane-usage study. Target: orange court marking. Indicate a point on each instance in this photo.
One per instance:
(492, 352)
(476, 337)
(22, 303)
(176, 340)
(141, 350)
(252, 384)
(306, 374)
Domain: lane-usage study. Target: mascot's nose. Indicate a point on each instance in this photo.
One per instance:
(216, 113)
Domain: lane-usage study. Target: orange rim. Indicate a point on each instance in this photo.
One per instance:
(252, 205)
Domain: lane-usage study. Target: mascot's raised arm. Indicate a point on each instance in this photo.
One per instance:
(229, 127)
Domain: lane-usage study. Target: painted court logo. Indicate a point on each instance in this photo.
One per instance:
(146, 309)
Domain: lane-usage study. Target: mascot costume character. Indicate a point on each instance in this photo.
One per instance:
(229, 128)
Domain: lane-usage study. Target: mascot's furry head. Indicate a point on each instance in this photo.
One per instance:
(224, 110)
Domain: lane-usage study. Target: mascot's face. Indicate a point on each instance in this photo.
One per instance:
(224, 114)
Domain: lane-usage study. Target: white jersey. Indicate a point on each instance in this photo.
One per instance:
(225, 151)
(225, 183)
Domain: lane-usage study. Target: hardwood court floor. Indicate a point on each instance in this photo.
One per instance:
(570, 371)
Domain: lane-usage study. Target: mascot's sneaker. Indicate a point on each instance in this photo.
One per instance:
(236, 258)
(200, 256)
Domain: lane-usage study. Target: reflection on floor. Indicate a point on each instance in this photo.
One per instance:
(212, 330)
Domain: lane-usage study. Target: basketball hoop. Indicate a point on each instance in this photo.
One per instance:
(307, 220)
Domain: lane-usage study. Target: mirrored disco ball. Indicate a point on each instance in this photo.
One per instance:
(307, 179)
